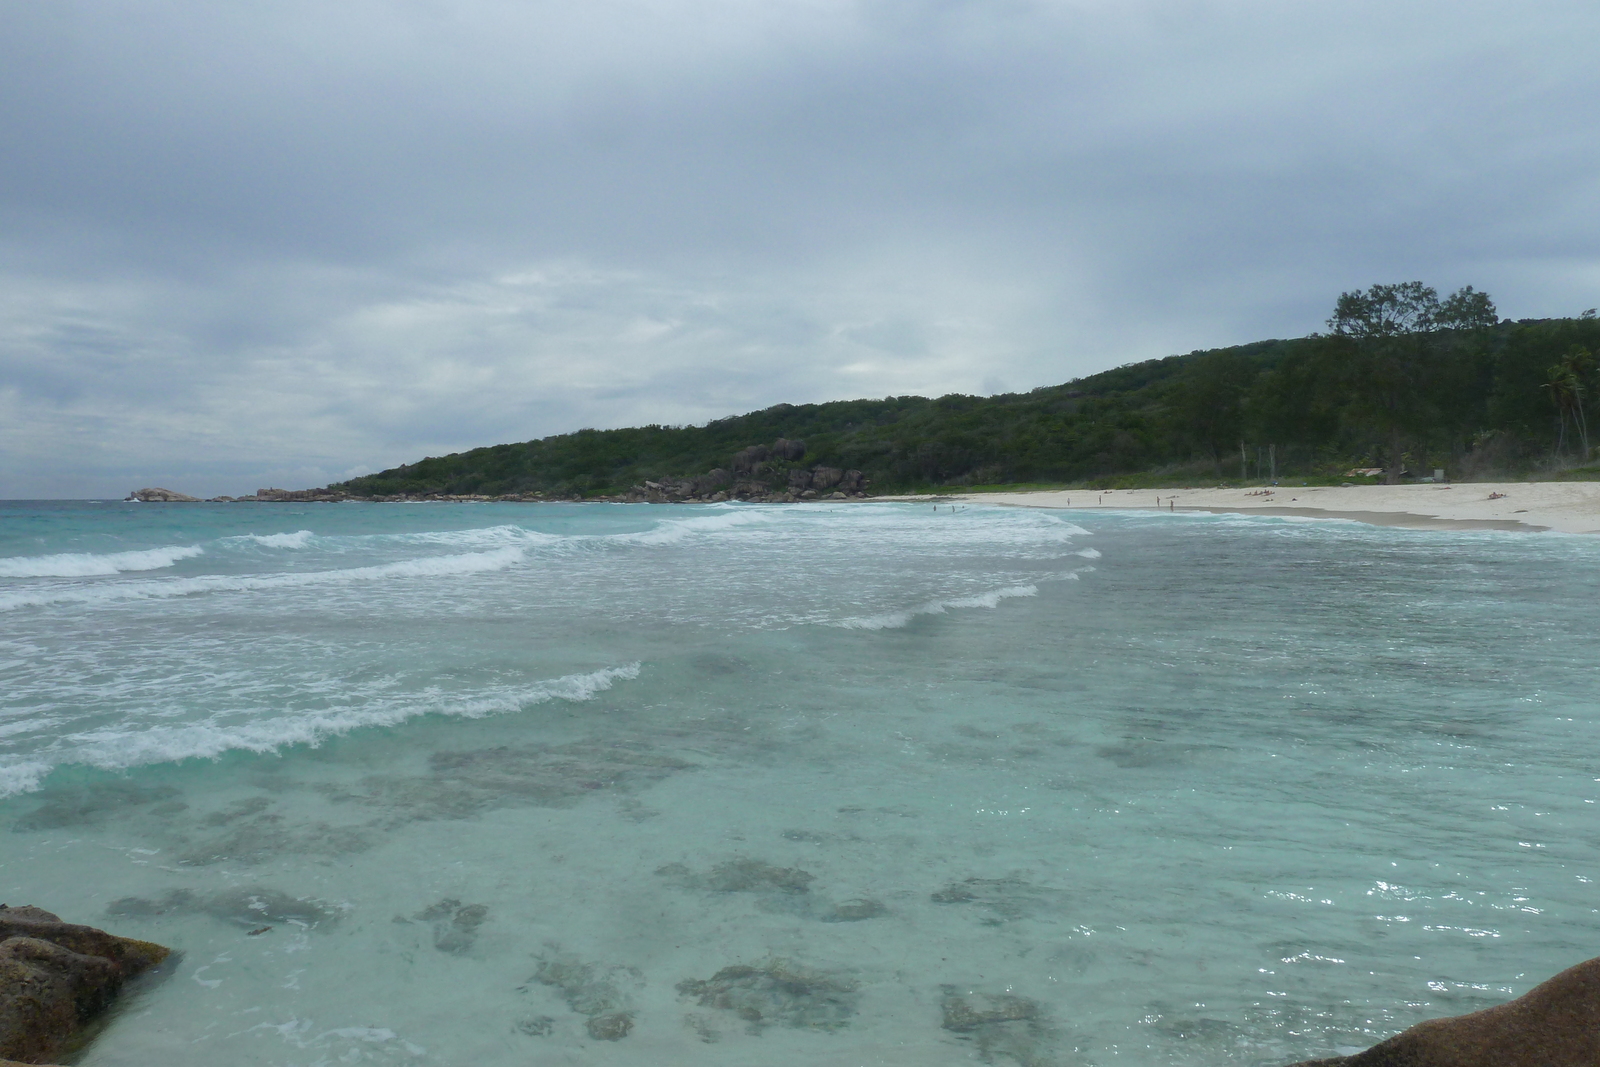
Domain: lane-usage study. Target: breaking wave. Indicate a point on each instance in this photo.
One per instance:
(298, 539)
(119, 749)
(431, 566)
(90, 565)
(896, 619)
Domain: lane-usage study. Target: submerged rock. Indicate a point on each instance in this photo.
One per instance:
(455, 925)
(56, 976)
(852, 911)
(254, 834)
(466, 783)
(778, 993)
(247, 906)
(964, 1012)
(601, 993)
(741, 876)
(1555, 1024)
(64, 808)
(1002, 1024)
(1002, 900)
(613, 1026)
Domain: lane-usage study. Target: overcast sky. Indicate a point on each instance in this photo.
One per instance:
(247, 244)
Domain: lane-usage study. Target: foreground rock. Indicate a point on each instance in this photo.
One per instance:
(161, 496)
(57, 976)
(1556, 1024)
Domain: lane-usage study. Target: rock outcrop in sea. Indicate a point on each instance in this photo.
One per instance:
(161, 496)
(1555, 1024)
(57, 976)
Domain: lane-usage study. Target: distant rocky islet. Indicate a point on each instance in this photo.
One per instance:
(763, 474)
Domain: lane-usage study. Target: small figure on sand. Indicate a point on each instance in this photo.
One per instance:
(1497, 496)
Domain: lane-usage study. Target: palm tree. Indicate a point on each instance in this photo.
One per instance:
(1567, 383)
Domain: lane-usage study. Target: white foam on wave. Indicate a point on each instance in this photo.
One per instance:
(428, 566)
(23, 777)
(118, 749)
(502, 535)
(91, 565)
(298, 539)
(895, 619)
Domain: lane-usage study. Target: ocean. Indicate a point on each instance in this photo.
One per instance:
(832, 785)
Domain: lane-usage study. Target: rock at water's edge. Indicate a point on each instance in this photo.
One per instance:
(162, 496)
(1556, 1024)
(56, 976)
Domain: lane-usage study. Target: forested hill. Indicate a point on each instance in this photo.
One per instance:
(1503, 398)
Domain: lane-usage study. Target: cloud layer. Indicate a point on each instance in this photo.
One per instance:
(246, 244)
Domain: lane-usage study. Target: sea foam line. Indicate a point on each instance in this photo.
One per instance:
(430, 566)
(91, 565)
(896, 619)
(113, 749)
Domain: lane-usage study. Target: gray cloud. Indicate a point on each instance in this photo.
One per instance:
(243, 244)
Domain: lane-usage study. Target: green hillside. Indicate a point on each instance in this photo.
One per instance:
(1477, 399)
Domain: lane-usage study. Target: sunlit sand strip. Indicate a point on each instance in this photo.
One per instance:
(1569, 507)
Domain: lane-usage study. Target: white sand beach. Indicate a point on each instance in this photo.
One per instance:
(1568, 507)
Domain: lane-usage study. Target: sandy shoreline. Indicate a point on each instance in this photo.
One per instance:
(1567, 507)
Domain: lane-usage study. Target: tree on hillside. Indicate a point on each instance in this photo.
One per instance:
(1568, 387)
(1210, 402)
(1399, 366)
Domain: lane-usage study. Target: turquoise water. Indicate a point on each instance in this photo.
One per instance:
(824, 785)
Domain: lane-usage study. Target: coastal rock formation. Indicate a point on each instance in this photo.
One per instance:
(1556, 1024)
(161, 496)
(301, 496)
(748, 460)
(826, 477)
(56, 976)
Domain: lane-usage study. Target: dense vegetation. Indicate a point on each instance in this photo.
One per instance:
(1403, 379)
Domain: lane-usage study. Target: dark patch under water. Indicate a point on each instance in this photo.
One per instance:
(778, 992)
(247, 906)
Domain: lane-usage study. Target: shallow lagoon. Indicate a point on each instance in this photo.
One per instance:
(865, 784)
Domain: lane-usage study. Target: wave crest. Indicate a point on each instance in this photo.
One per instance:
(896, 619)
(298, 539)
(91, 565)
(112, 749)
(155, 589)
